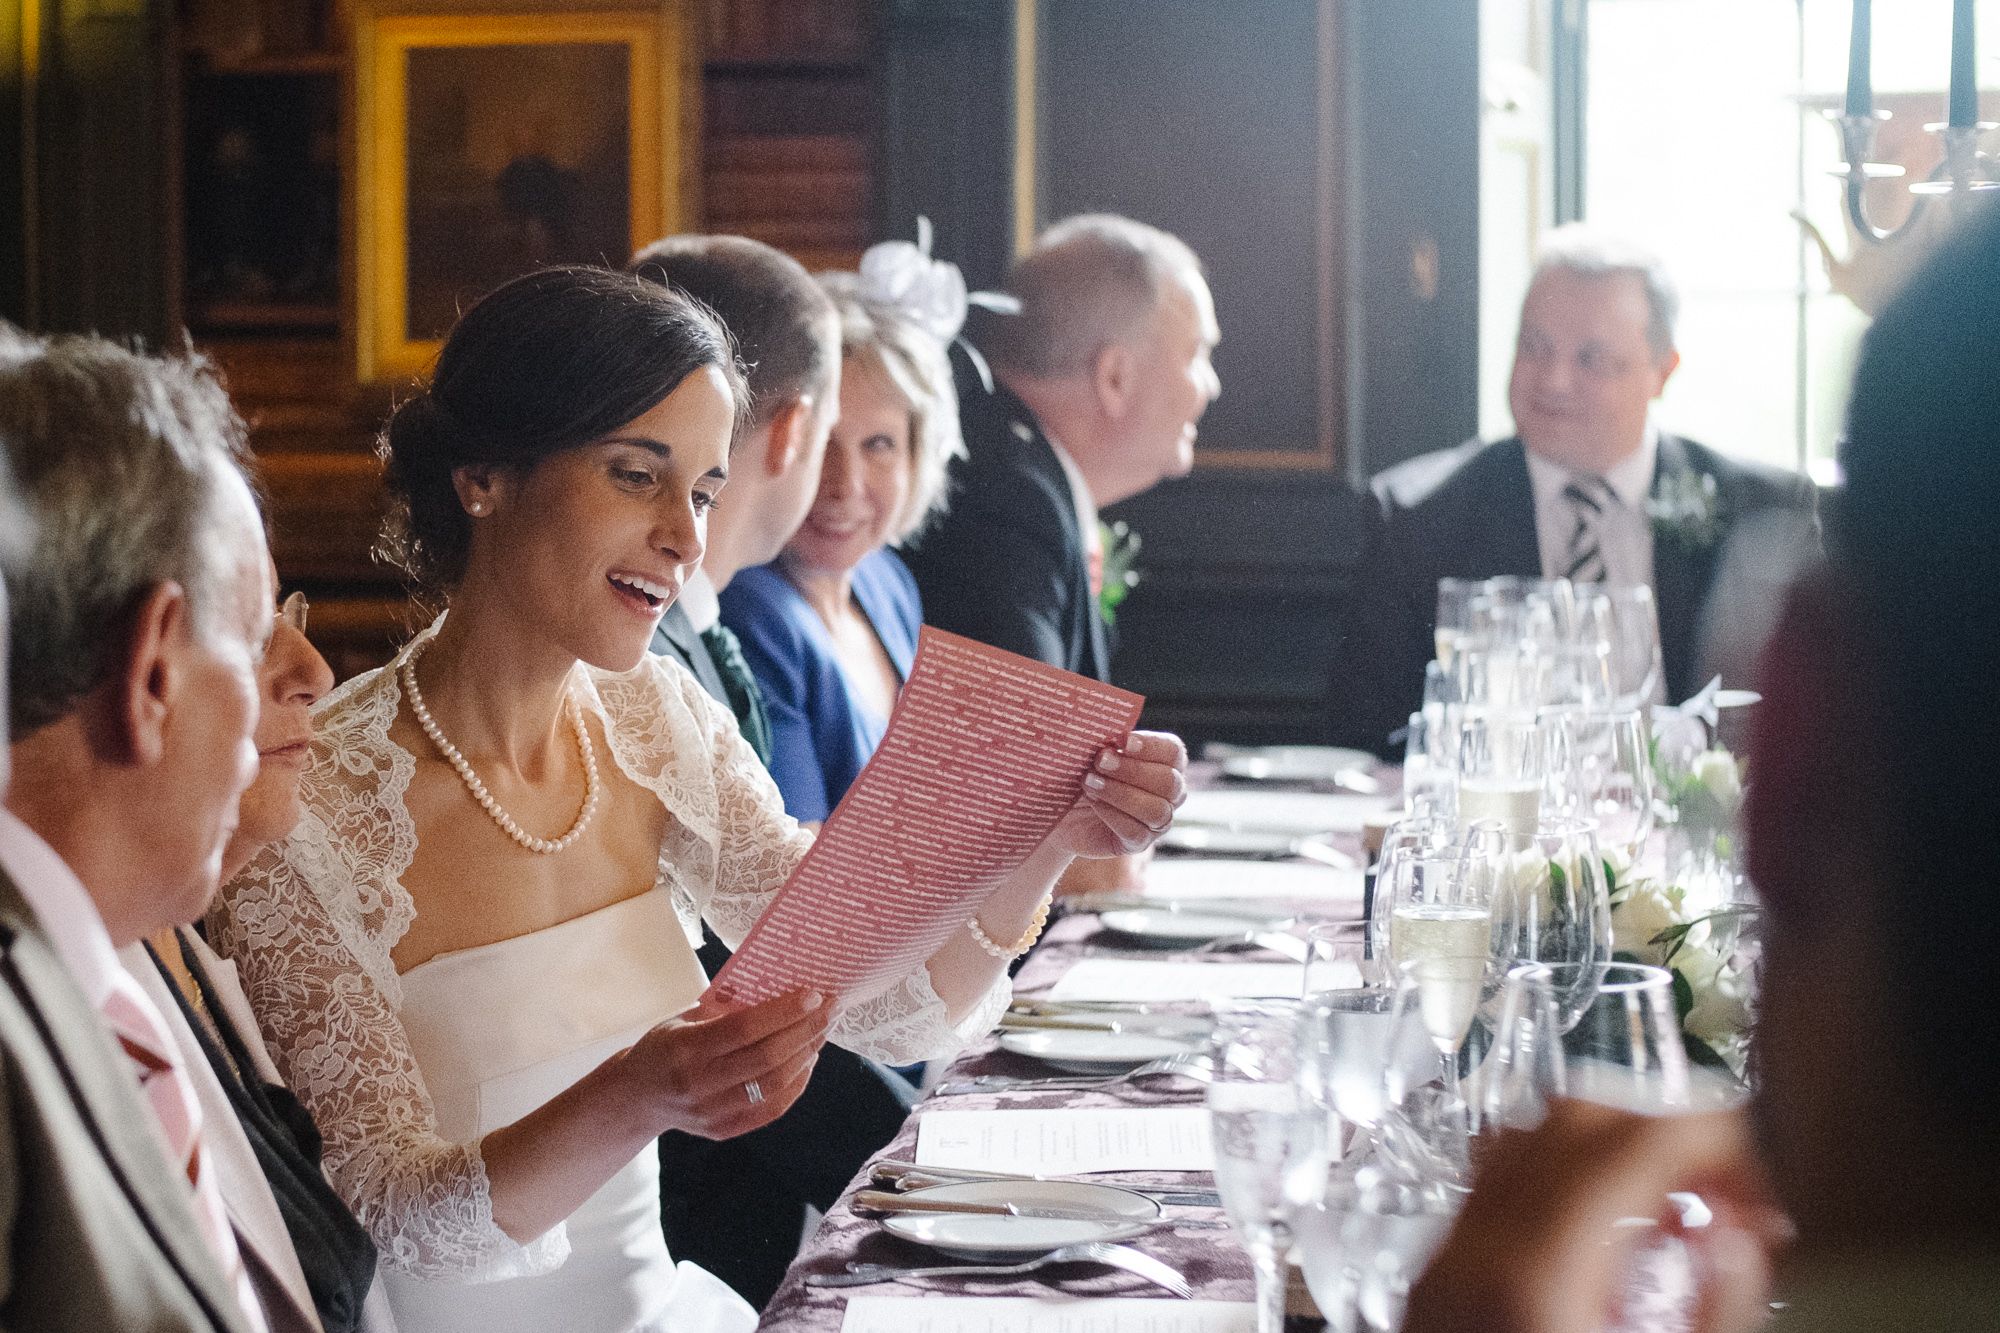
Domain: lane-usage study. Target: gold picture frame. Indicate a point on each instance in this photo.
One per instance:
(486, 144)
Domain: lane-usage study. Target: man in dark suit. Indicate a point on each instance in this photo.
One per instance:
(136, 619)
(788, 333)
(1589, 489)
(1101, 377)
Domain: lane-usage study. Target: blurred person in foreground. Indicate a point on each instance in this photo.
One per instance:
(136, 620)
(830, 626)
(1589, 488)
(1874, 827)
(740, 1207)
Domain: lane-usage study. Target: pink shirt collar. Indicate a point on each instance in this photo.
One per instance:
(63, 906)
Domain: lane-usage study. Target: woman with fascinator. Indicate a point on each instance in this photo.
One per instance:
(830, 627)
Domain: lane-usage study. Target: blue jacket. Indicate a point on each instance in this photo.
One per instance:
(820, 735)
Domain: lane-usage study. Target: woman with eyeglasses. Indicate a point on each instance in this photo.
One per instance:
(311, 1255)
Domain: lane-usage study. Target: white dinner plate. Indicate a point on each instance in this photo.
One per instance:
(980, 1236)
(1082, 1052)
(1290, 763)
(1168, 928)
(1278, 810)
(1210, 841)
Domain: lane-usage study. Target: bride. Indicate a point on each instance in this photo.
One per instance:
(475, 957)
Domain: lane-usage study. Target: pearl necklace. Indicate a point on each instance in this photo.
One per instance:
(542, 846)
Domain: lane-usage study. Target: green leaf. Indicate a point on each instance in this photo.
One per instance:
(1683, 998)
(1701, 1053)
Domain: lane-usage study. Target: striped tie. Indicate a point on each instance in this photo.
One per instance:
(1587, 496)
(172, 1099)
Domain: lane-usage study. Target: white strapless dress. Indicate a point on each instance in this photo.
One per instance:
(498, 1031)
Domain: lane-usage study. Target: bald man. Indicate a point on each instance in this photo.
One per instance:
(1101, 379)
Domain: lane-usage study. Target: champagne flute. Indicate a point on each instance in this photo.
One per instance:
(1268, 1113)
(1454, 615)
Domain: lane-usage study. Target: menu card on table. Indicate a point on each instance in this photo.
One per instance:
(1033, 1314)
(985, 752)
(1067, 1141)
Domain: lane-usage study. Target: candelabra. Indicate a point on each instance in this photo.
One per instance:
(1962, 170)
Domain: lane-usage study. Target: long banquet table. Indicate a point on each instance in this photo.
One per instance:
(1194, 1241)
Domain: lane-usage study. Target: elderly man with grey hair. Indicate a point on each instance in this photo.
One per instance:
(1589, 488)
(1101, 378)
(136, 619)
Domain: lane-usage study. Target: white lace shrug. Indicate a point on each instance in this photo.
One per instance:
(312, 921)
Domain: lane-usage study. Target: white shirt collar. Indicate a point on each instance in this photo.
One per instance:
(68, 914)
(699, 602)
(1630, 479)
(1079, 493)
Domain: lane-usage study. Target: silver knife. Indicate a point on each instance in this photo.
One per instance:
(907, 1175)
(881, 1201)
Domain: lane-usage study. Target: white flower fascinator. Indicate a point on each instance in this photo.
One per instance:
(928, 292)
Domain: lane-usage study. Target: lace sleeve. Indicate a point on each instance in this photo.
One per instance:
(759, 844)
(305, 924)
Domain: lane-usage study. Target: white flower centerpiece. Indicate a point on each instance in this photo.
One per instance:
(1710, 953)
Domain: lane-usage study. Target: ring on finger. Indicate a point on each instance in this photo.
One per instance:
(754, 1091)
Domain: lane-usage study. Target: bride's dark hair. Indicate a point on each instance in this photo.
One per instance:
(548, 362)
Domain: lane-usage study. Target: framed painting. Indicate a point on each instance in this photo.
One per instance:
(490, 144)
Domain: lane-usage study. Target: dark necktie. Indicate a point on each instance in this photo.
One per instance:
(1587, 496)
(745, 700)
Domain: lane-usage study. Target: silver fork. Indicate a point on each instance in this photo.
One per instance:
(1187, 1064)
(1136, 1262)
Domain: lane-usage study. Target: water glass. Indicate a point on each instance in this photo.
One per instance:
(1338, 957)
(1623, 1050)
(1269, 1120)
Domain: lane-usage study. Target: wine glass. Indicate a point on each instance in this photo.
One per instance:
(1627, 619)
(1502, 766)
(1269, 1118)
(1423, 834)
(1604, 773)
(1554, 905)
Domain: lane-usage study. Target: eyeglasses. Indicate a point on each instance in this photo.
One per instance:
(293, 611)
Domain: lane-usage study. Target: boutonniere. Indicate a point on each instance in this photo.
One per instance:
(1121, 573)
(1686, 509)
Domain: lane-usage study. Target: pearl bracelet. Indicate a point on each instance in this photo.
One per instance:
(1022, 945)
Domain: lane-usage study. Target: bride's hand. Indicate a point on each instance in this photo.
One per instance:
(699, 1069)
(1129, 798)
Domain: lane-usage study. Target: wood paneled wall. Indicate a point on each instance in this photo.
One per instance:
(1320, 154)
